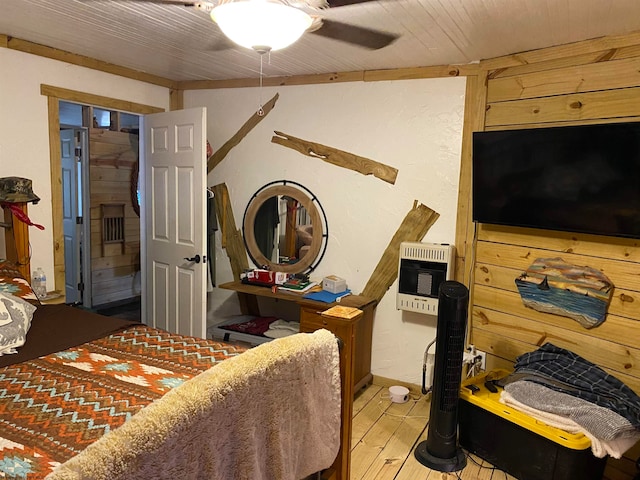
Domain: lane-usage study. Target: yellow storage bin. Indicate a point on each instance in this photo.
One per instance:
(517, 443)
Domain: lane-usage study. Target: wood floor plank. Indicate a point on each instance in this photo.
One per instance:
(412, 469)
(401, 444)
(366, 419)
(364, 396)
(485, 470)
(372, 444)
(385, 435)
(471, 471)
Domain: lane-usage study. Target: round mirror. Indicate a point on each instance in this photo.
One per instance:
(285, 228)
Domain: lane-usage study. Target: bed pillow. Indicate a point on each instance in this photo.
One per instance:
(15, 320)
(12, 281)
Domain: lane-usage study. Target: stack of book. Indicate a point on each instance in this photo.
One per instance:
(297, 285)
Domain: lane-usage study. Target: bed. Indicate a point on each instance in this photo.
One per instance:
(94, 397)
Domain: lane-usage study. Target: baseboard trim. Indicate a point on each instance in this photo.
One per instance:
(390, 382)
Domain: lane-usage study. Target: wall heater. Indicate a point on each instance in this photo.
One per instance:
(422, 268)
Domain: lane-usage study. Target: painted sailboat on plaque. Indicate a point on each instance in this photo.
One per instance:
(552, 285)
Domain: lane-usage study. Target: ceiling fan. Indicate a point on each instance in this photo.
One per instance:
(351, 34)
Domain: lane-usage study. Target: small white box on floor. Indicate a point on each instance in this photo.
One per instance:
(334, 284)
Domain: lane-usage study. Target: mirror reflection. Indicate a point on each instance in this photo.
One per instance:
(285, 228)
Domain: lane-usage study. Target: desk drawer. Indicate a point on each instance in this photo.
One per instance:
(311, 320)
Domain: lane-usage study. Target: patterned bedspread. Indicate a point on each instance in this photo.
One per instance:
(11, 281)
(53, 407)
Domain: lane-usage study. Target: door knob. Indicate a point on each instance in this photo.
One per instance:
(195, 258)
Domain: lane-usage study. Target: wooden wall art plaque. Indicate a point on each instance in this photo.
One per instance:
(552, 285)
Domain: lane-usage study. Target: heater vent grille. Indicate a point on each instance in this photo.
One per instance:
(422, 268)
(425, 251)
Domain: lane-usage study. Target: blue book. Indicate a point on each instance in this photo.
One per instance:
(326, 297)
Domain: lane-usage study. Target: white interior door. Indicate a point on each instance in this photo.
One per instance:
(70, 227)
(173, 216)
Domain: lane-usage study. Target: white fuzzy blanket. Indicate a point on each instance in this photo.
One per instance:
(271, 413)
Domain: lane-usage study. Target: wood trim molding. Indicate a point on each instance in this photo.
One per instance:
(273, 81)
(475, 98)
(562, 51)
(55, 163)
(82, 61)
(387, 382)
(415, 73)
(176, 99)
(438, 71)
(97, 100)
(178, 87)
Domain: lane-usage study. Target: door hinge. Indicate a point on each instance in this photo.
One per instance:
(78, 220)
(81, 286)
(78, 152)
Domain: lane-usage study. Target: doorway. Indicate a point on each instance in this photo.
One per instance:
(100, 209)
(54, 95)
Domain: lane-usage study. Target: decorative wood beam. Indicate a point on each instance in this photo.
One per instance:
(230, 234)
(413, 228)
(337, 157)
(254, 120)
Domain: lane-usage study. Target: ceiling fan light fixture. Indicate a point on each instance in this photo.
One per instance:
(261, 25)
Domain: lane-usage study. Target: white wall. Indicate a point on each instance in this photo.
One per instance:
(24, 138)
(412, 125)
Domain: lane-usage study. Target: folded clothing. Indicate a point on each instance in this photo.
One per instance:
(615, 447)
(567, 372)
(282, 328)
(601, 422)
(255, 326)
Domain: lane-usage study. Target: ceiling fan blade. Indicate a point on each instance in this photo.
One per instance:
(344, 3)
(363, 37)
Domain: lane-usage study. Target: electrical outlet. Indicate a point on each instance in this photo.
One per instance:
(483, 359)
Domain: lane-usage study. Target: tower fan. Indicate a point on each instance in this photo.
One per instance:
(440, 451)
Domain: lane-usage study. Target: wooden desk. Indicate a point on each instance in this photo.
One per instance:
(310, 320)
(355, 355)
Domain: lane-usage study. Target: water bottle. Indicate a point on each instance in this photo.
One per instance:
(39, 283)
(43, 285)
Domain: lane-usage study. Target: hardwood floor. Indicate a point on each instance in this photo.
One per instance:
(385, 435)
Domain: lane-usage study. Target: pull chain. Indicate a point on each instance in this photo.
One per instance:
(260, 111)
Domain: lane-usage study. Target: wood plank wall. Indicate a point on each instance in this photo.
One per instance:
(589, 82)
(113, 269)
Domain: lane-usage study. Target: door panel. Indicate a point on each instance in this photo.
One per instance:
(70, 228)
(161, 295)
(174, 215)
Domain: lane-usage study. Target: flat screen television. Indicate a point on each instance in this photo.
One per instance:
(577, 178)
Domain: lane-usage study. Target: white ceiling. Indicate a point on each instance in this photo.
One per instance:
(182, 43)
